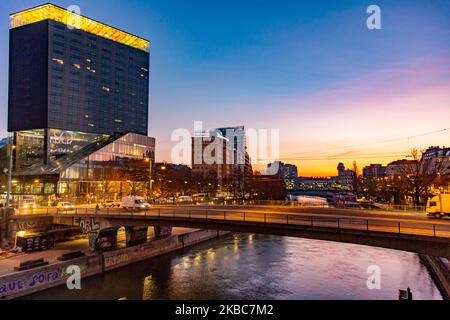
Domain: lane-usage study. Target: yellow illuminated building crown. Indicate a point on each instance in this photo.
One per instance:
(55, 13)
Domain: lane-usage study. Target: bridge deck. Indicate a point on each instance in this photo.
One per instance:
(405, 233)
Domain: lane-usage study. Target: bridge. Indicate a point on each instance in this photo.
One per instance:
(394, 230)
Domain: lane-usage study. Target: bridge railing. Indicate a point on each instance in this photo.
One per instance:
(291, 203)
(362, 206)
(427, 228)
(381, 225)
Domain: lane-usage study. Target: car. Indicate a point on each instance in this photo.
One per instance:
(184, 199)
(111, 204)
(66, 206)
(28, 205)
(27, 202)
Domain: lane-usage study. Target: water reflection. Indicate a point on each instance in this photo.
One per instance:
(260, 267)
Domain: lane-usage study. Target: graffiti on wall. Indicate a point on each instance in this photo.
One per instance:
(87, 224)
(33, 224)
(116, 260)
(35, 280)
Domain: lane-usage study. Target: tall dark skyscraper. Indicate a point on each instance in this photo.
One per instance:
(72, 81)
(91, 79)
(78, 106)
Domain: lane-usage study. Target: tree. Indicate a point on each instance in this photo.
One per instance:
(416, 176)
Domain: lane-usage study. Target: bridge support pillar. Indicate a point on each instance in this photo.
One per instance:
(136, 235)
(162, 231)
(103, 240)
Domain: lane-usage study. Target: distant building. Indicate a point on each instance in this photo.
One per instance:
(286, 171)
(220, 155)
(345, 177)
(171, 179)
(307, 183)
(399, 167)
(269, 187)
(436, 159)
(374, 171)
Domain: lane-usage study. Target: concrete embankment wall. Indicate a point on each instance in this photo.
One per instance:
(21, 283)
(439, 272)
(123, 257)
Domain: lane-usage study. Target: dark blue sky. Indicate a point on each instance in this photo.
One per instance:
(277, 64)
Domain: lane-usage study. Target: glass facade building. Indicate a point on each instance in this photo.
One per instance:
(77, 102)
(70, 79)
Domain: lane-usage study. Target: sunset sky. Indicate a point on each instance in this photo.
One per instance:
(335, 90)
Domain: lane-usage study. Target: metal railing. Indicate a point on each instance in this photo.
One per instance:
(289, 203)
(371, 224)
(285, 203)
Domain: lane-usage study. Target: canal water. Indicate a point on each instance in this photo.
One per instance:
(250, 266)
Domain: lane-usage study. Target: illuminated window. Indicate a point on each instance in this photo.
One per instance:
(90, 69)
(104, 88)
(76, 65)
(90, 124)
(118, 121)
(60, 61)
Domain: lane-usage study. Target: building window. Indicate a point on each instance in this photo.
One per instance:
(58, 35)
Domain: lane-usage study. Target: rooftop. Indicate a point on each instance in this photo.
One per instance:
(56, 13)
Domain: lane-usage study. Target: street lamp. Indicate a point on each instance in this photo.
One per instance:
(150, 180)
(9, 170)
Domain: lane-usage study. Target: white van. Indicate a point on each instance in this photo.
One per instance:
(133, 202)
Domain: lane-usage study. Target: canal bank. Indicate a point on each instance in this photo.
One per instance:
(439, 269)
(20, 283)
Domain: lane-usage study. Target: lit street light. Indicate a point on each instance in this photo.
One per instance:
(150, 180)
(9, 170)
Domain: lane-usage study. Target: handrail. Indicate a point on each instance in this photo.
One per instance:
(340, 223)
